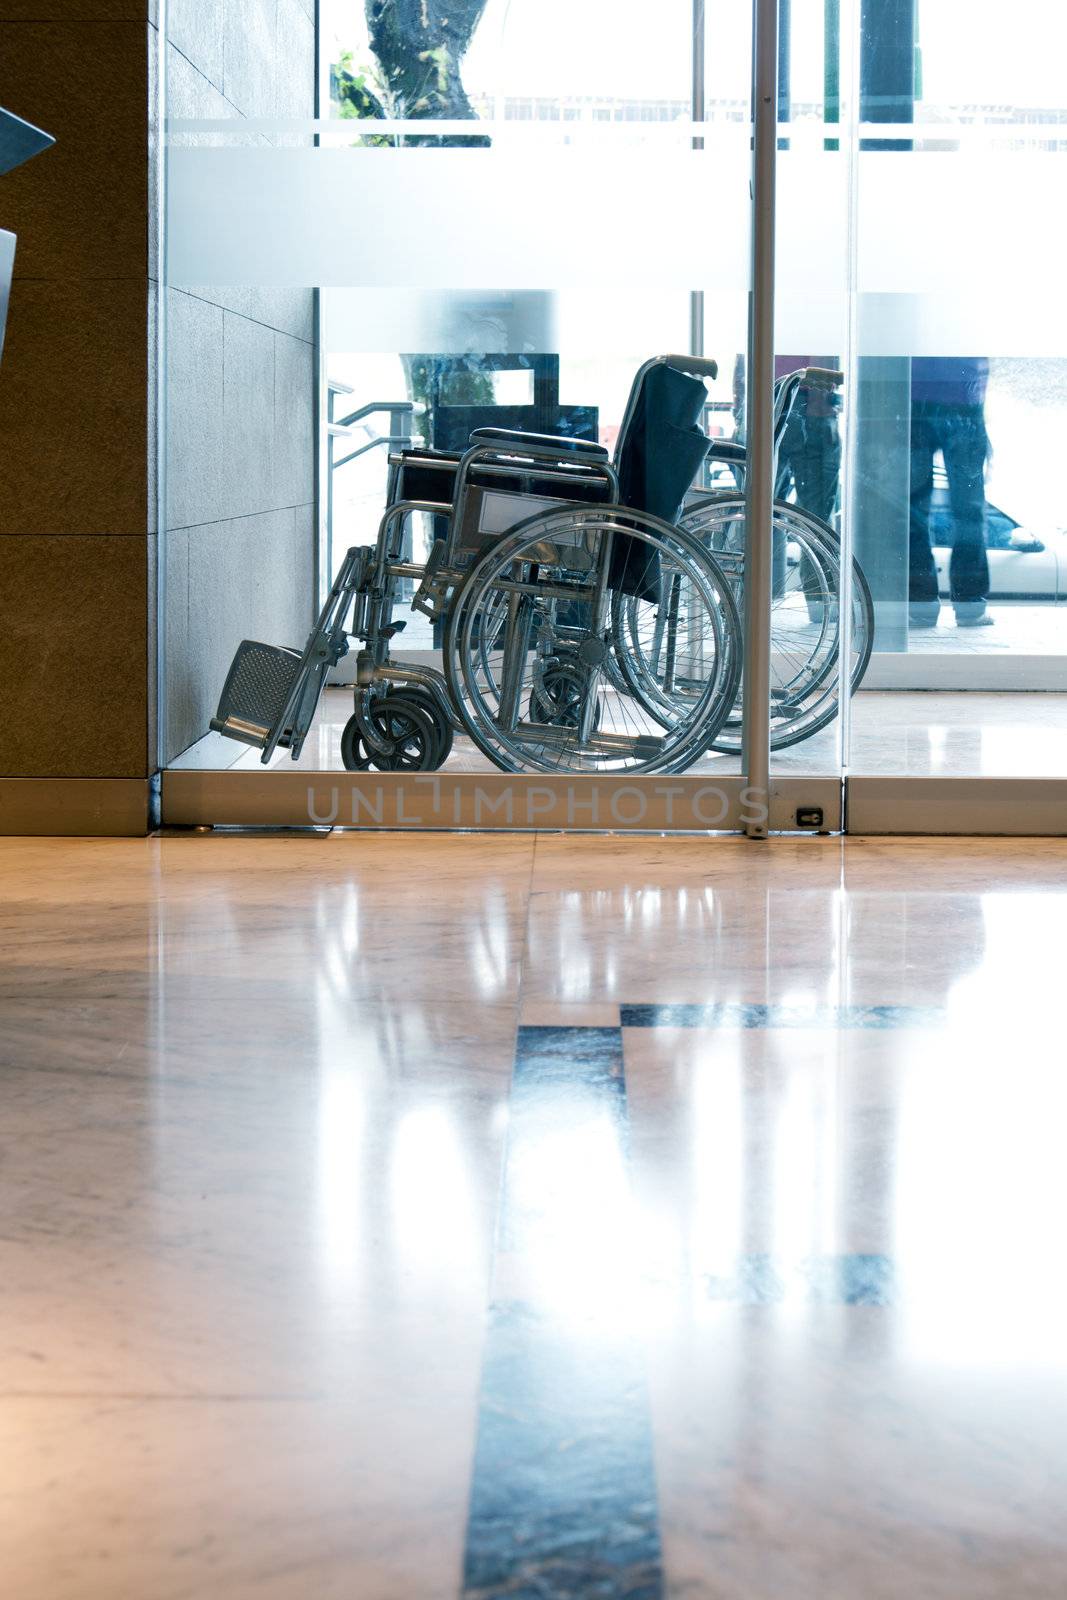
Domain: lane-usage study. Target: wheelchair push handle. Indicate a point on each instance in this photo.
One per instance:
(695, 366)
(822, 378)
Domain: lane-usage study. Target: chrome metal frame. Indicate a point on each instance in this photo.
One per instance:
(759, 432)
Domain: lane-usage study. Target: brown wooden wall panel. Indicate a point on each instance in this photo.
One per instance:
(80, 208)
(76, 639)
(74, 408)
(74, 642)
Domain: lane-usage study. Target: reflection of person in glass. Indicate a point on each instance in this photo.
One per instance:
(948, 416)
(809, 460)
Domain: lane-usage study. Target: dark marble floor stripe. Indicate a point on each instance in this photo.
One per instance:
(847, 1280)
(563, 1495)
(728, 1015)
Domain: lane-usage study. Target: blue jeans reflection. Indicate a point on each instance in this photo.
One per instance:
(959, 433)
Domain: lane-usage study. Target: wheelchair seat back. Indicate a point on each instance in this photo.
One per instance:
(661, 443)
(423, 475)
(658, 454)
(507, 476)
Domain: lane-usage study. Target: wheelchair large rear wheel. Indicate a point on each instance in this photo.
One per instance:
(805, 617)
(528, 646)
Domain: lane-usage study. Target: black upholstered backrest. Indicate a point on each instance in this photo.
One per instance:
(662, 445)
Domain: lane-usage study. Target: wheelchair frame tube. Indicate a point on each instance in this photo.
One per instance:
(597, 629)
(517, 630)
(759, 479)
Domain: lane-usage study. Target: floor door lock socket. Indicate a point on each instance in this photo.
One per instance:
(809, 816)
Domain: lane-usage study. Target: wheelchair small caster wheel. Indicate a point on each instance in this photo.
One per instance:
(423, 701)
(559, 694)
(411, 735)
(354, 754)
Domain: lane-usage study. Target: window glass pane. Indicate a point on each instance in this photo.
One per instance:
(502, 212)
(956, 506)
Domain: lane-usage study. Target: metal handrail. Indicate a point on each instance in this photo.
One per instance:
(396, 408)
(403, 440)
(400, 414)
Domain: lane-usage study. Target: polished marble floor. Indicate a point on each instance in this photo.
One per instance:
(531, 1216)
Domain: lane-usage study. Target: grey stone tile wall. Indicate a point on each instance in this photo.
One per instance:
(296, 48)
(197, 29)
(251, 57)
(227, 582)
(241, 530)
(293, 450)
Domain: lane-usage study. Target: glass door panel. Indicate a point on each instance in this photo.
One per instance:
(956, 501)
(500, 214)
(811, 638)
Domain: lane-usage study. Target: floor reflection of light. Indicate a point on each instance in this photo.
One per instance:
(715, 1151)
(933, 739)
(981, 1197)
(803, 1147)
(1003, 945)
(434, 1221)
(830, 1152)
(337, 915)
(347, 926)
(499, 1118)
(649, 910)
(659, 1253)
(337, 965)
(342, 1116)
(573, 960)
(572, 1222)
(489, 948)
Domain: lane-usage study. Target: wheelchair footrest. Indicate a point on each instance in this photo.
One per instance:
(257, 689)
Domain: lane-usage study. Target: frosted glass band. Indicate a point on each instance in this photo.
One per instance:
(955, 251)
(435, 127)
(455, 218)
(625, 128)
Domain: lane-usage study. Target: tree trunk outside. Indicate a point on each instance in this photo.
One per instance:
(420, 45)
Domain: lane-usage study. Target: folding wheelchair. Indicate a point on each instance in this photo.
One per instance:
(544, 540)
(589, 606)
(807, 585)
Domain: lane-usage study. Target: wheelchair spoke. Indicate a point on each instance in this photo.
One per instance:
(553, 692)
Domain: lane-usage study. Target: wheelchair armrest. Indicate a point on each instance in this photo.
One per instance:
(728, 450)
(578, 447)
(423, 455)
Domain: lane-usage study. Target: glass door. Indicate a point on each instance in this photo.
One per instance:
(919, 226)
(955, 504)
(502, 215)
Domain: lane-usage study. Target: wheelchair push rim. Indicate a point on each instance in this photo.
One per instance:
(535, 581)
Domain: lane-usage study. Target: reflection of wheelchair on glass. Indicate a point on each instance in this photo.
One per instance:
(805, 616)
(586, 628)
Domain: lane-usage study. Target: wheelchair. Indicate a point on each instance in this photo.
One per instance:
(805, 604)
(589, 606)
